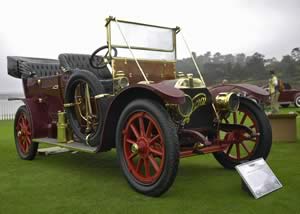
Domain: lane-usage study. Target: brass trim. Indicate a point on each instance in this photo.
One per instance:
(99, 96)
(144, 48)
(67, 105)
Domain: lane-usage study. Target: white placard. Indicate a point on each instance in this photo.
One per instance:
(258, 177)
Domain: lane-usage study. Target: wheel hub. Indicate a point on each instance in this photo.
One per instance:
(143, 148)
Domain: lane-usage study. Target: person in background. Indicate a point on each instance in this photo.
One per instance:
(274, 92)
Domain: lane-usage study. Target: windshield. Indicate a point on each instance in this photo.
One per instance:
(145, 41)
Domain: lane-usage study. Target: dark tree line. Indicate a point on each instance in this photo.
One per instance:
(241, 68)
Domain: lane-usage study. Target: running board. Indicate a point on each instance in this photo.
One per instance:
(72, 146)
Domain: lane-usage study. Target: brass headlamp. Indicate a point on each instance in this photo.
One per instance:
(120, 80)
(227, 102)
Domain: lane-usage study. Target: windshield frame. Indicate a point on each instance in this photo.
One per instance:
(109, 36)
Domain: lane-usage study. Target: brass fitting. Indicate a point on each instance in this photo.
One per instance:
(227, 102)
(64, 134)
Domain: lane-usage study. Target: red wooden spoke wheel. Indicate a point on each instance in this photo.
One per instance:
(147, 147)
(245, 146)
(23, 135)
(144, 148)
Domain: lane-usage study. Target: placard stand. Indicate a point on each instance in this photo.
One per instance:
(258, 178)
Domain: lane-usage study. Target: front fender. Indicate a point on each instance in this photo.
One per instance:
(159, 92)
(167, 93)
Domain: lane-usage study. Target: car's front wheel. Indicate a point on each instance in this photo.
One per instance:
(245, 146)
(147, 147)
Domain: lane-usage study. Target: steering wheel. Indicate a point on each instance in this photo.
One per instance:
(103, 60)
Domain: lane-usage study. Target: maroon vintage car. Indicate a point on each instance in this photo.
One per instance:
(132, 99)
(289, 96)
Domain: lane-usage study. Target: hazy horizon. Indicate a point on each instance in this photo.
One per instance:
(47, 28)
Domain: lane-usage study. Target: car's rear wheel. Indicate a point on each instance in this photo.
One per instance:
(246, 147)
(147, 147)
(297, 101)
(23, 134)
(84, 111)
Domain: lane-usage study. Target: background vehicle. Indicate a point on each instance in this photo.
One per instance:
(288, 96)
(139, 105)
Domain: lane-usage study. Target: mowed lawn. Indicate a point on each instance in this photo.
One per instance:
(85, 183)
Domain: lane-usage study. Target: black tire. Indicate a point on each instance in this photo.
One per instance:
(23, 134)
(262, 148)
(80, 76)
(170, 141)
(297, 101)
(284, 105)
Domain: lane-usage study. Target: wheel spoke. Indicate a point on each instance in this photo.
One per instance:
(243, 119)
(234, 118)
(28, 132)
(28, 139)
(149, 129)
(229, 149)
(147, 167)
(139, 165)
(130, 141)
(132, 156)
(154, 139)
(153, 163)
(156, 152)
(135, 131)
(142, 126)
(238, 151)
(245, 147)
(24, 145)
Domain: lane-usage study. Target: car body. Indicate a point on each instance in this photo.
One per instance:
(289, 96)
(132, 99)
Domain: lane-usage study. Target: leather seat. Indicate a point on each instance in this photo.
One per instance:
(69, 62)
(38, 69)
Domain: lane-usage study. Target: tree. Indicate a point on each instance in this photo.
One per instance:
(217, 58)
(240, 58)
(207, 56)
(296, 54)
(255, 66)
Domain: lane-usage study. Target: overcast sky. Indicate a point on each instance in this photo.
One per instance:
(45, 28)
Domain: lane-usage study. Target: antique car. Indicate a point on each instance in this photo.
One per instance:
(131, 98)
(288, 96)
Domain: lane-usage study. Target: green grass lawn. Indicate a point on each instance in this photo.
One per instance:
(85, 183)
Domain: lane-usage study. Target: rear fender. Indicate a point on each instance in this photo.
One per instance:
(39, 117)
(157, 92)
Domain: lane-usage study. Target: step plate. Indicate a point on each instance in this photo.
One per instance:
(72, 146)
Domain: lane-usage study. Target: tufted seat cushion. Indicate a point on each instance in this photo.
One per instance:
(26, 67)
(81, 61)
(38, 69)
(70, 61)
